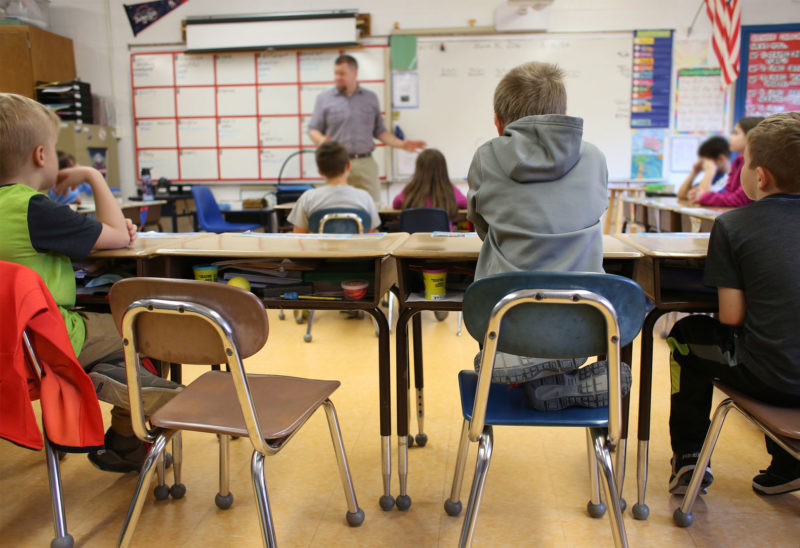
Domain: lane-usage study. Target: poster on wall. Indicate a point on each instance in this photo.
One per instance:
(700, 102)
(650, 82)
(773, 73)
(647, 153)
(144, 14)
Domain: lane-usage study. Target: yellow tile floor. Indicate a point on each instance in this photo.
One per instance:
(536, 491)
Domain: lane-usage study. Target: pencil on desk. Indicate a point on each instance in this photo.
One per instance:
(318, 298)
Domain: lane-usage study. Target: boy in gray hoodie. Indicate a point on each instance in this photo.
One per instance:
(536, 195)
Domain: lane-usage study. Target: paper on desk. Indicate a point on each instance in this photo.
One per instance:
(453, 234)
(311, 236)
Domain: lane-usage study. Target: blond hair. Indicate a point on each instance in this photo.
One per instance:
(24, 125)
(530, 89)
(774, 144)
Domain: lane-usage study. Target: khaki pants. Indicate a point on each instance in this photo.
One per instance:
(364, 175)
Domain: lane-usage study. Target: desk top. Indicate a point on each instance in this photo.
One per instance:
(88, 208)
(467, 245)
(679, 206)
(290, 246)
(685, 245)
(146, 243)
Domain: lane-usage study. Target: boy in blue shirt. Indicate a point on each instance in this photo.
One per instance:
(754, 347)
(44, 235)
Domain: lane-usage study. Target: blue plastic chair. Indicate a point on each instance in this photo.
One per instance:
(335, 220)
(424, 219)
(209, 216)
(548, 315)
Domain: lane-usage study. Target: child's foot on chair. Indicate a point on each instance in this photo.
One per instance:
(111, 384)
(513, 369)
(682, 469)
(776, 482)
(584, 387)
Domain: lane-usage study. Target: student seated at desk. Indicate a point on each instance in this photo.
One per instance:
(733, 195)
(68, 195)
(333, 163)
(536, 195)
(713, 161)
(430, 186)
(753, 261)
(44, 236)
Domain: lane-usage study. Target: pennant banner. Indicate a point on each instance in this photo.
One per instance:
(144, 14)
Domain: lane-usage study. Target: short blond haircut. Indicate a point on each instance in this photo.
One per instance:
(775, 145)
(24, 125)
(528, 90)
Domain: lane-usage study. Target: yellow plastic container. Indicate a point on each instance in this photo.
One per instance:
(435, 283)
(205, 272)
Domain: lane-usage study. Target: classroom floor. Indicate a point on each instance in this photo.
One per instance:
(536, 491)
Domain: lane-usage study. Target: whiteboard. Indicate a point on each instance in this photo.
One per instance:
(457, 78)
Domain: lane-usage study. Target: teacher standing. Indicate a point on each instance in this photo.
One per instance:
(351, 115)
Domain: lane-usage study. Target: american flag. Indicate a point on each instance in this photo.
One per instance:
(726, 20)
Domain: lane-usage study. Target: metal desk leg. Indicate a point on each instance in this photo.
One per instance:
(385, 403)
(401, 364)
(640, 509)
(416, 326)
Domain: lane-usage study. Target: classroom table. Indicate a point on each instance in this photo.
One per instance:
(265, 216)
(669, 214)
(140, 212)
(616, 191)
(170, 209)
(458, 251)
(369, 254)
(670, 273)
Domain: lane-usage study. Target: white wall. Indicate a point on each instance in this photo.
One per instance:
(102, 34)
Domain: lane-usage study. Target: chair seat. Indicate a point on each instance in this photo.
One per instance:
(225, 226)
(209, 404)
(783, 421)
(508, 406)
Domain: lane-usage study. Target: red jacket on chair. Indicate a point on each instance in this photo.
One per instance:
(70, 410)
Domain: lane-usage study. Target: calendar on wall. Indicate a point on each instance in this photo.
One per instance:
(236, 116)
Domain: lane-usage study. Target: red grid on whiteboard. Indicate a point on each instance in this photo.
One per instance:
(301, 113)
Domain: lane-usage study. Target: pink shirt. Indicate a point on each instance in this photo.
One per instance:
(461, 200)
(733, 194)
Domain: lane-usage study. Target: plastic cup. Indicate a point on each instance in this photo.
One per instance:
(355, 289)
(435, 280)
(205, 272)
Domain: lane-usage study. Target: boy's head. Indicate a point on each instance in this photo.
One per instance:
(24, 126)
(713, 148)
(332, 159)
(528, 90)
(65, 159)
(770, 158)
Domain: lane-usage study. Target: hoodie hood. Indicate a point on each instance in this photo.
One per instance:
(538, 149)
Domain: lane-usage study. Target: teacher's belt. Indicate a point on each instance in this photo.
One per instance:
(364, 155)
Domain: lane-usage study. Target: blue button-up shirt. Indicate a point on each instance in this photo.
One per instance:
(352, 120)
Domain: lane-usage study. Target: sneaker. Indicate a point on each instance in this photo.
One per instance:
(122, 454)
(513, 369)
(584, 387)
(682, 469)
(111, 386)
(768, 482)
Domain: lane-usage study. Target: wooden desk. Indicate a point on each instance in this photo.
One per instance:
(140, 213)
(616, 191)
(671, 273)
(670, 214)
(370, 253)
(171, 208)
(458, 252)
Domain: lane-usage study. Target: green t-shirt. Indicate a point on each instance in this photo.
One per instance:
(45, 236)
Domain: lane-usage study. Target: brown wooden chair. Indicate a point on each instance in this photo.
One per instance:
(782, 424)
(191, 322)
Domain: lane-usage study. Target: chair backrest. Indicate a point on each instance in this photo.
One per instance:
(188, 322)
(205, 204)
(340, 220)
(424, 219)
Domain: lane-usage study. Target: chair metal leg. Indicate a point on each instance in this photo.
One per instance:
(460, 323)
(403, 501)
(145, 476)
(355, 515)
(178, 489)
(596, 507)
(453, 504)
(386, 501)
(610, 487)
(485, 442)
(391, 297)
(62, 539)
(620, 454)
(224, 501)
(260, 488)
(161, 491)
(683, 515)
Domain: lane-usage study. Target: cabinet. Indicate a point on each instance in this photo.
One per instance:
(29, 55)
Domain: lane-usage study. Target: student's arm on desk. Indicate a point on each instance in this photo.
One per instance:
(731, 305)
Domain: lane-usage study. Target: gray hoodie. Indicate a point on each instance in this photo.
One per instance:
(536, 195)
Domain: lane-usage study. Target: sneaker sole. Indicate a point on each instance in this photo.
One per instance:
(588, 387)
(679, 482)
(518, 374)
(779, 489)
(116, 393)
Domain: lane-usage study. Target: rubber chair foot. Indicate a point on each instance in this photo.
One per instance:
(640, 511)
(403, 502)
(596, 510)
(307, 337)
(161, 492)
(177, 491)
(452, 508)
(386, 502)
(63, 542)
(223, 502)
(421, 439)
(623, 504)
(681, 519)
(410, 440)
(355, 519)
